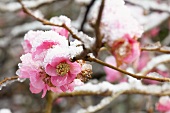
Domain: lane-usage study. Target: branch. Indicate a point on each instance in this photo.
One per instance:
(8, 81)
(157, 47)
(107, 89)
(130, 74)
(150, 20)
(98, 42)
(46, 22)
(162, 50)
(155, 62)
(150, 5)
(103, 103)
(86, 14)
(85, 39)
(48, 108)
(14, 6)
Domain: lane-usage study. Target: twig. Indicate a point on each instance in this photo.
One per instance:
(8, 79)
(157, 47)
(155, 62)
(156, 50)
(87, 41)
(46, 22)
(139, 77)
(98, 42)
(14, 6)
(103, 103)
(86, 14)
(150, 5)
(108, 89)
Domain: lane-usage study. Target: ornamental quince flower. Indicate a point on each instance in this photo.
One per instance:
(58, 65)
(164, 104)
(46, 62)
(39, 80)
(126, 50)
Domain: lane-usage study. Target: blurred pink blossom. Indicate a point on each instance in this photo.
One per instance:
(154, 32)
(111, 74)
(143, 60)
(164, 104)
(21, 14)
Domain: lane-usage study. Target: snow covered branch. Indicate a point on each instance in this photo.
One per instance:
(155, 62)
(107, 89)
(112, 91)
(151, 5)
(15, 6)
(9, 80)
(137, 76)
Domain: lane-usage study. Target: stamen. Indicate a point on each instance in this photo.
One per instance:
(63, 68)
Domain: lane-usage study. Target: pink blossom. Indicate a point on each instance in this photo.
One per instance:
(21, 14)
(111, 74)
(28, 40)
(116, 21)
(70, 87)
(58, 66)
(126, 50)
(38, 42)
(39, 80)
(143, 60)
(164, 104)
(33, 70)
(62, 31)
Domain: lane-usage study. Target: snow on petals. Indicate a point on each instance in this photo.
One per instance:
(37, 42)
(164, 104)
(58, 66)
(46, 61)
(33, 70)
(116, 21)
(60, 30)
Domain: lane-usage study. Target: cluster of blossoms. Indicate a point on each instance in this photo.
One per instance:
(163, 105)
(121, 31)
(46, 61)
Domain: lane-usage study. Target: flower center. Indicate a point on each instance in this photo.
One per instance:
(62, 68)
(123, 49)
